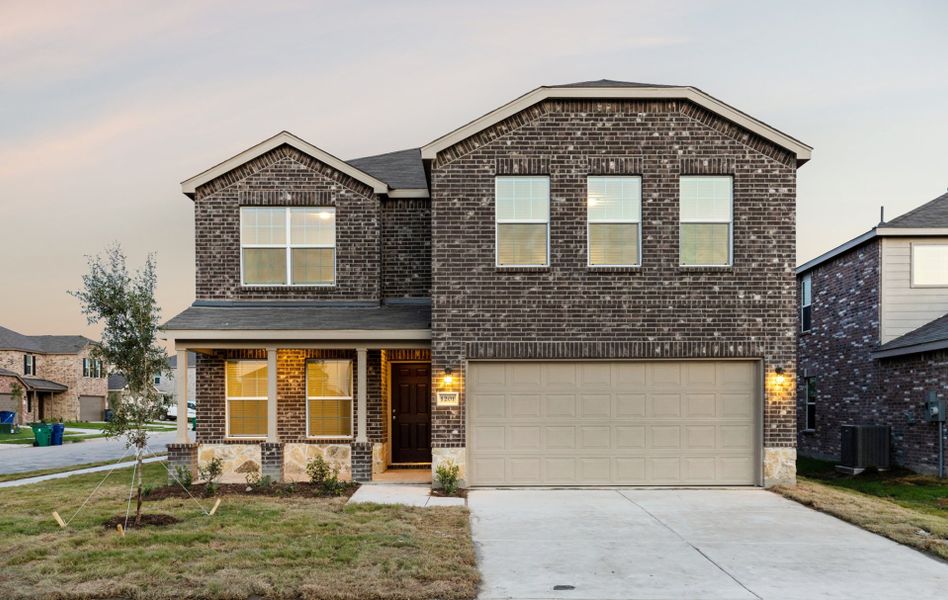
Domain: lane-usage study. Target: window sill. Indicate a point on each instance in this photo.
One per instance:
(241, 440)
(537, 269)
(809, 431)
(706, 269)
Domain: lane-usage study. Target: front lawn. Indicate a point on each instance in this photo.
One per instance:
(903, 506)
(274, 547)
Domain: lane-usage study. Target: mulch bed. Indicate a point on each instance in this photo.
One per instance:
(278, 490)
(152, 520)
(461, 493)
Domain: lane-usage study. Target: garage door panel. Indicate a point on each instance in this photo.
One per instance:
(601, 423)
(596, 405)
(91, 408)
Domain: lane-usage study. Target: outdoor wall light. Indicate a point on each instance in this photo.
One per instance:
(780, 378)
(448, 376)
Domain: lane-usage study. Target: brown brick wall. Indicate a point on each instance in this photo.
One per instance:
(61, 368)
(286, 177)
(852, 387)
(836, 350)
(291, 394)
(406, 248)
(568, 309)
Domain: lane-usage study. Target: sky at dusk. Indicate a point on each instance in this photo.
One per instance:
(105, 107)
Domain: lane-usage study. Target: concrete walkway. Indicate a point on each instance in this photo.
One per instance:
(409, 495)
(21, 459)
(41, 478)
(734, 544)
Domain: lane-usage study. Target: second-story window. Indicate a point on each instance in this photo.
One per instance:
(705, 207)
(92, 367)
(288, 245)
(86, 367)
(806, 302)
(29, 364)
(522, 211)
(929, 265)
(614, 213)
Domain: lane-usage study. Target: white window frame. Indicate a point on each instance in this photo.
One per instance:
(807, 426)
(806, 282)
(31, 360)
(350, 398)
(289, 247)
(912, 265)
(589, 222)
(228, 399)
(498, 222)
(729, 221)
(86, 367)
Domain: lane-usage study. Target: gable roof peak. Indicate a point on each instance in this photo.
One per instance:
(189, 186)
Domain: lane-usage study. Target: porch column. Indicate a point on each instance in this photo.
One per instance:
(362, 436)
(181, 385)
(272, 396)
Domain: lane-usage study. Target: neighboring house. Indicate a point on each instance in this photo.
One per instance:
(58, 376)
(592, 284)
(874, 336)
(165, 381)
(118, 387)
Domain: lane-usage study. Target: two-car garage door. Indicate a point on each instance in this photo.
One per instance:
(613, 423)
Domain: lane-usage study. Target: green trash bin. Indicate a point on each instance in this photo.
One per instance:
(42, 433)
(194, 423)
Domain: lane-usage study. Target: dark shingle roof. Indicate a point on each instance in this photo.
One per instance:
(35, 384)
(930, 336)
(8, 373)
(930, 214)
(402, 169)
(613, 83)
(117, 381)
(48, 344)
(307, 316)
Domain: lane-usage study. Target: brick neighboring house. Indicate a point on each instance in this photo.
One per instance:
(57, 375)
(874, 336)
(592, 284)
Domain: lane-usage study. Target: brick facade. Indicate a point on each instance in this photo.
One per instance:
(851, 386)
(568, 310)
(406, 248)
(65, 369)
(286, 177)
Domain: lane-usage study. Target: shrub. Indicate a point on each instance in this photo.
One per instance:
(184, 476)
(211, 472)
(324, 476)
(448, 476)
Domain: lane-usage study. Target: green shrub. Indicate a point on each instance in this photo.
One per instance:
(184, 476)
(210, 473)
(324, 476)
(448, 477)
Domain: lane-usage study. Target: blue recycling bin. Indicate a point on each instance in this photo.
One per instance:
(7, 417)
(56, 439)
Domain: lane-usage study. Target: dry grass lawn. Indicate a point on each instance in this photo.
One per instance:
(919, 529)
(270, 547)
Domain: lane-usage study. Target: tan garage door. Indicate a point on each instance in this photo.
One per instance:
(91, 408)
(612, 423)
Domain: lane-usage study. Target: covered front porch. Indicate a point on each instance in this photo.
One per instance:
(271, 402)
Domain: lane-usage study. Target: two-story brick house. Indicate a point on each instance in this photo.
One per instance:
(592, 284)
(874, 336)
(56, 375)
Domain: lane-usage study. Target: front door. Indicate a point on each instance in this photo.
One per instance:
(411, 413)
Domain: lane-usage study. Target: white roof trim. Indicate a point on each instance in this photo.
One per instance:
(912, 231)
(189, 186)
(802, 151)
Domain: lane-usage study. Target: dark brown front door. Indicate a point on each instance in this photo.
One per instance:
(411, 412)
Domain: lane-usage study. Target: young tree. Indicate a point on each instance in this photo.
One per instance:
(126, 306)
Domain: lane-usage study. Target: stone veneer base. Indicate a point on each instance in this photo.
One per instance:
(780, 466)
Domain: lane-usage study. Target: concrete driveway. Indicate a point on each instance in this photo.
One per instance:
(729, 544)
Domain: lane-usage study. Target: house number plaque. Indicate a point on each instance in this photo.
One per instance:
(448, 398)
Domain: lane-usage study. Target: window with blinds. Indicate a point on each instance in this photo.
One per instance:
(522, 211)
(245, 390)
(288, 245)
(614, 216)
(329, 398)
(706, 218)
